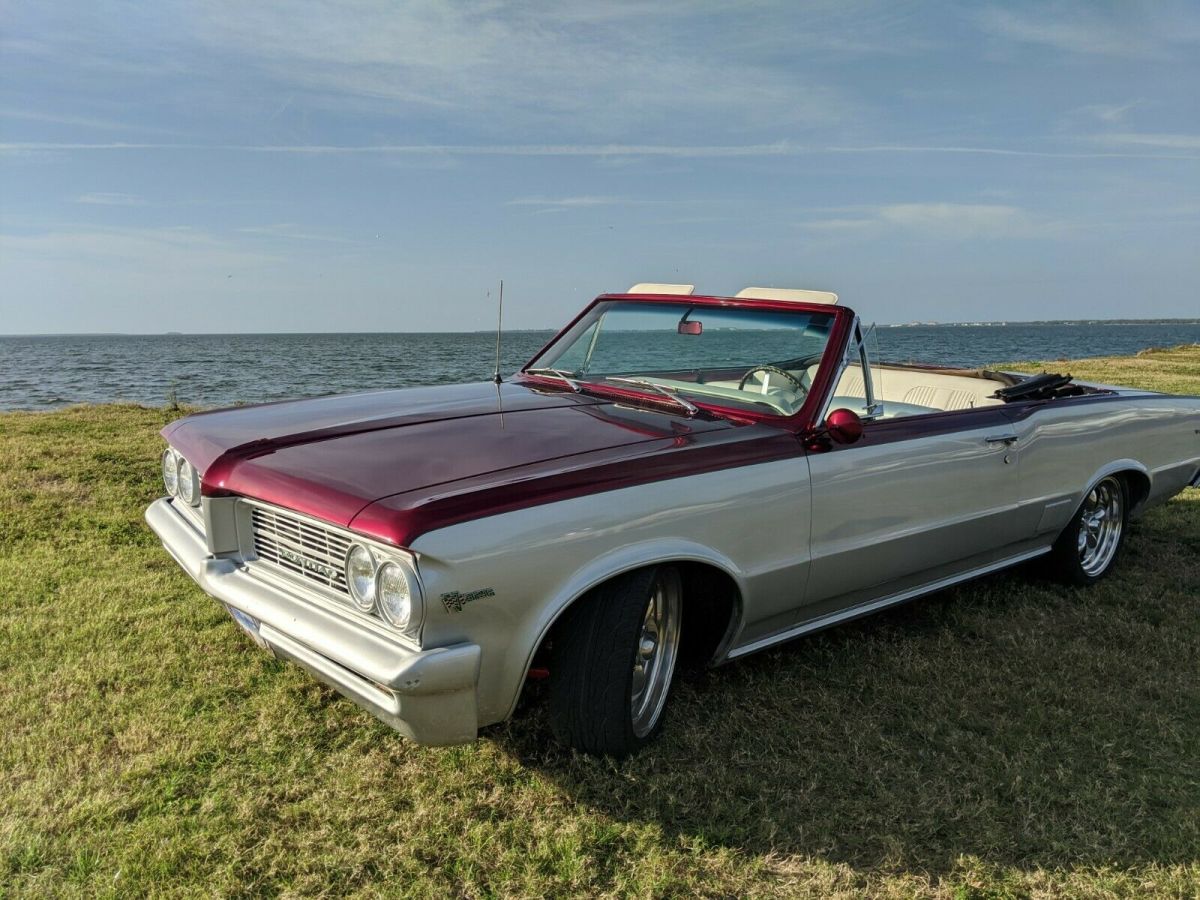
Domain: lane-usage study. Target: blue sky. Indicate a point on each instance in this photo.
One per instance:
(372, 166)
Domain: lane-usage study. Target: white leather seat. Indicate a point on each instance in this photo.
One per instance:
(919, 390)
(904, 392)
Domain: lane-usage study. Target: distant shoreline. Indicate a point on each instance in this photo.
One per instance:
(977, 324)
(1018, 323)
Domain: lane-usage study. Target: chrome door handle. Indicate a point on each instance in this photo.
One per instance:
(1006, 439)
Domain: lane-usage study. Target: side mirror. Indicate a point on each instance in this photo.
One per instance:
(691, 327)
(844, 426)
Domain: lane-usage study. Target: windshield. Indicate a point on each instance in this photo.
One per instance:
(759, 359)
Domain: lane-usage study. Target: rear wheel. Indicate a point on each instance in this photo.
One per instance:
(1086, 550)
(614, 660)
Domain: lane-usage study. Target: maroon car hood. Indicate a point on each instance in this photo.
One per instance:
(207, 435)
(331, 457)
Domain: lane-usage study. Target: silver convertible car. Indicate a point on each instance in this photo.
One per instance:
(674, 479)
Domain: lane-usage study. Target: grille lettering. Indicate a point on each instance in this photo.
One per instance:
(304, 562)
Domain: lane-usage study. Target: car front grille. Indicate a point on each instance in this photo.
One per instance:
(298, 545)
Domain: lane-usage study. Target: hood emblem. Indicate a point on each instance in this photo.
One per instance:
(455, 601)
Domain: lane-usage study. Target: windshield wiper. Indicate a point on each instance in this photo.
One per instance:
(669, 393)
(558, 373)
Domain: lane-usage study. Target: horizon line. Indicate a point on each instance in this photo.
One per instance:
(976, 323)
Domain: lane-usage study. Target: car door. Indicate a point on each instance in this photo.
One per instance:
(914, 499)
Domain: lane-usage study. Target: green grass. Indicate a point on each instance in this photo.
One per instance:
(1009, 738)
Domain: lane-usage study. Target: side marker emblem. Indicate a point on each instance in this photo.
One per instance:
(455, 601)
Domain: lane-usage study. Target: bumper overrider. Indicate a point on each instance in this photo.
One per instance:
(426, 695)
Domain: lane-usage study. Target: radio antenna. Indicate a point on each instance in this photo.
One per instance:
(499, 324)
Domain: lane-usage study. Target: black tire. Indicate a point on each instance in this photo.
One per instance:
(1071, 560)
(592, 668)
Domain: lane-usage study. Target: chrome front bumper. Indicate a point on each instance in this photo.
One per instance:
(426, 695)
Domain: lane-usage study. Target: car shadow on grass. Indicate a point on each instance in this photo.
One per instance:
(1010, 720)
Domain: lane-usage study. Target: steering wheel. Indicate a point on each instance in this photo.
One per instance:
(776, 370)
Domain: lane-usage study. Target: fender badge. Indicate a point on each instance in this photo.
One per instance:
(455, 601)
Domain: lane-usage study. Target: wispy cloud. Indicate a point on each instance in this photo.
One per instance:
(1128, 30)
(1164, 141)
(109, 198)
(620, 70)
(963, 219)
(1109, 112)
(676, 151)
(582, 202)
(161, 249)
(54, 118)
(292, 232)
(994, 151)
(952, 221)
(843, 224)
(1073, 34)
(681, 151)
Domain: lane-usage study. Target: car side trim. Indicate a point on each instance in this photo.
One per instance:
(871, 606)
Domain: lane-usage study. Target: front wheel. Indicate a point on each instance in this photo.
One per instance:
(1085, 551)
(613, 662)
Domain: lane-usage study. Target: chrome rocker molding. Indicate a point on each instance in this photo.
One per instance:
(863, 609)
(426, 695)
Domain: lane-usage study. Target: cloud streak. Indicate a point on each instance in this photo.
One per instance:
(1166, 141)
(163, 249)
(580, 202)
(946, 221)
(293, 232)
(54, 118)
(1128, 31)
(620, 70)
(1072, 35)
(110, 198)
(676, 151)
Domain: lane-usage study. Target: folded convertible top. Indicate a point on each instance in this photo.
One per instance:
(1039, 387)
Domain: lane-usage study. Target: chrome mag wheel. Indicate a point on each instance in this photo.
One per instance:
(1100, 523)
(658, 647)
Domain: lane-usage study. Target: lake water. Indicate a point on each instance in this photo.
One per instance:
(219, 370)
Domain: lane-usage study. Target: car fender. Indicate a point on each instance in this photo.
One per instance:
(617, 562)
(1112, 468)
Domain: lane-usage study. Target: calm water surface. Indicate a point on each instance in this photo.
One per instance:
(219, 370)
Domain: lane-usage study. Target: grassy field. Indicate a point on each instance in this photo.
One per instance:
(1009, 738)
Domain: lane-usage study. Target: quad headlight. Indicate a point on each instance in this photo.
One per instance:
(189, 490)
(360, 576)
(180, 477)
(386, 586)
(399, 595)
(170, 471)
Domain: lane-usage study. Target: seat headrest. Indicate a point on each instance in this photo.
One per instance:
(792, 294)
(649, 287)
